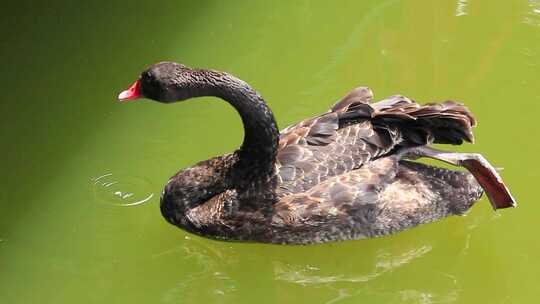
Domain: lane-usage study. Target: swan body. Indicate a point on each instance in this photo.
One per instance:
(344, 174)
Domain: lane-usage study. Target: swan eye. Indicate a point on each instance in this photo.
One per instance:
(147, 75)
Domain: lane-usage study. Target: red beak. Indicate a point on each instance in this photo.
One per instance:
(133, 92)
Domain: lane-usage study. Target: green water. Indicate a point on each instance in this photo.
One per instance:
(66, 237)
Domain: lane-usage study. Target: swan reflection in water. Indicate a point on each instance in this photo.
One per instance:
(331, 273)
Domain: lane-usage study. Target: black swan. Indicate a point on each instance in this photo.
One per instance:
(345, 174)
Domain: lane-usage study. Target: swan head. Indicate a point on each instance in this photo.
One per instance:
(164, 82)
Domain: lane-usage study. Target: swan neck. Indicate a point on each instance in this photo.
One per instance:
(257, 154)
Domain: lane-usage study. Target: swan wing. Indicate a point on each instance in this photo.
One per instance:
(383, 197)
(354, 132)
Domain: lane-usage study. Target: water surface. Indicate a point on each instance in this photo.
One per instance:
(79, 215)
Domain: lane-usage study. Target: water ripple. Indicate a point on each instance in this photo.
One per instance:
(307, 275)
(461, 8)
(121, 190)
(532, 17)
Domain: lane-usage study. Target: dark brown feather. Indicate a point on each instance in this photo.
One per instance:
(354, 132)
